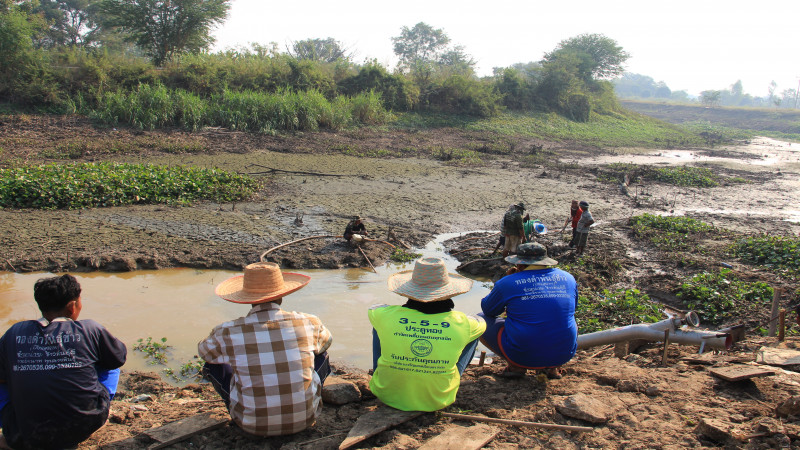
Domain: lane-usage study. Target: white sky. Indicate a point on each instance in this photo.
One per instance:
(693, 45)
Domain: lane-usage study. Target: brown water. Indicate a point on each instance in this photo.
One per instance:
(180, 304)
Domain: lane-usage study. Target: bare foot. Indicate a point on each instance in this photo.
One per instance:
(3, 443)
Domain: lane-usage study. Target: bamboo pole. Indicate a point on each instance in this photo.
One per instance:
(365, 257)
(776, 302)
(479, 237)
(782, 325)
(470, 249)
(263, 255)
(296, 241)
(552, 426)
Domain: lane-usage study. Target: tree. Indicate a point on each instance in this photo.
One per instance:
(164, 29)
(600, 57)
(422, 44)
(457, 61)
(710, 98)
(70, 22)
(323, 50)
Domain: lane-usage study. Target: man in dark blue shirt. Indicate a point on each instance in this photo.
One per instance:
(58, 374)
(539, 300)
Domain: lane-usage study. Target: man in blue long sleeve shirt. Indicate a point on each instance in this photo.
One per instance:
(539, 300)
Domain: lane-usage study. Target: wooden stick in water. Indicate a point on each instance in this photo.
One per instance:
(365, 257)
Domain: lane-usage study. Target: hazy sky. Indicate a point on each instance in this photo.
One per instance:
(693, 45)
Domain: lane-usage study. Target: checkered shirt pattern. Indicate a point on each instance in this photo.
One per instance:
(274, 389)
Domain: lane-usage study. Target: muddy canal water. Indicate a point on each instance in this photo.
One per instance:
(180, 304)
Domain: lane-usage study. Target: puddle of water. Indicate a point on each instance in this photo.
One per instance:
(180, 304)
(762, 152)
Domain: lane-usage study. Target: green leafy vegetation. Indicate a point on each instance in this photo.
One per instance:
(156, 106)
(188, 371)
(456, 156)
(73, 186)
(669, 233)
(155, 351)
(686, 176)
(778, 252)
(609, 309)
(719, 296)
(400, 255)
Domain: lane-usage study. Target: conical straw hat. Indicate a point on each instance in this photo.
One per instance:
(429, 282)
(262, 282)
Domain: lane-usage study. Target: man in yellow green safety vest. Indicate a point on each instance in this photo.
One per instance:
(420, 349)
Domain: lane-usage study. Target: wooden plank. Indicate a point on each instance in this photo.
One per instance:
(186, 428)
(376, 421)
(777, 356)
(740, 372)
(462, 438)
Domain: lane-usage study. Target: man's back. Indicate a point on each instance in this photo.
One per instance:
(271, 352)
(540, 328)
(51, 373)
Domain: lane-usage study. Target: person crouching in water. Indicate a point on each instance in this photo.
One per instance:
(420, 349)
(268, 366)
(539, 300)
(355, 231)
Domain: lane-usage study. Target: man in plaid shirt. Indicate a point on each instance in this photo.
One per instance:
(269, 365)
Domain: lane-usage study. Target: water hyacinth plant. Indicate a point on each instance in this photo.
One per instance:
(74, 186)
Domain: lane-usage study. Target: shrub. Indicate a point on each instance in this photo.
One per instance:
(368, 109)
(462, 95)
(395, 91)
(54, 186)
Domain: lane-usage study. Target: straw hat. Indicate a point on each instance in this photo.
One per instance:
(262, 282)
(428, 282)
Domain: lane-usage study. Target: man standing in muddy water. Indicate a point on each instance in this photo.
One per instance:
(420, 349)
(268, 366)
(57, 374)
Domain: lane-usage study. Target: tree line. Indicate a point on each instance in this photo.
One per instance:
(637, 86)
(67, 55)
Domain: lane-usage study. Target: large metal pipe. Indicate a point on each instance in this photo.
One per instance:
(679, 332)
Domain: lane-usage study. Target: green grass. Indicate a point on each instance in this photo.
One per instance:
(74, 186)
(150, 107)
(456, 156)
(602, 130)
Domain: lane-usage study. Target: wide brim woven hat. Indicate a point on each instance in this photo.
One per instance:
(531, 253)
(428, 282)
(262, 282)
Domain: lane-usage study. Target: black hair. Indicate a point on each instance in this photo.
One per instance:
(436, 307)
(53, 294)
